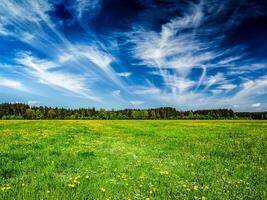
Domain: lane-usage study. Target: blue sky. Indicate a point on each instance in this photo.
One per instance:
(135, 53)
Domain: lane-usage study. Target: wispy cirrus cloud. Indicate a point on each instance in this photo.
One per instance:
(124, 74)
(87, 8)
(13, 84)
(173, 47)
(43, 71)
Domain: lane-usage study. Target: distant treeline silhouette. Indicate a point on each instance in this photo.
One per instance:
(24, 111)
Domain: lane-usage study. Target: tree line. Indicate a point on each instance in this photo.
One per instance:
(24, 111)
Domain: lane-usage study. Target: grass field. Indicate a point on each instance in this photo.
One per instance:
(133, 160)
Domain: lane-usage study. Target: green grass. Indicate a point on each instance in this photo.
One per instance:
(133, 160)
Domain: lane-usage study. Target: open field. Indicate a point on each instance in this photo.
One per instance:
(133, 159)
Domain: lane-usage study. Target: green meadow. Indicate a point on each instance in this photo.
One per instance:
(133, 159)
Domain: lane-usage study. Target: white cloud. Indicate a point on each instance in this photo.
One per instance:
(252, 88)
(41, 69)
(229, 60)
(152, 90)
(87, 8)
(180, 85)
(3, 30)
(124, 74)
(116, 93)
(227, 86)
(214, 79)
(172, 47)
(14, 84)
(100, 61)
(176, 83)
(16, 14)
(255, 105)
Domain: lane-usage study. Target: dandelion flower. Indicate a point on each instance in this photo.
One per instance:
(164, 172)
(71, 185)
(8, 188)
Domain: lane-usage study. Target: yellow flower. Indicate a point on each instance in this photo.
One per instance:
(141, 177)
(103, 189)
(196, 187)
(164, 172)
(150, 191)
(8, 188)
(203, 198)
(71, 185)
(147, 198)
(184, 185)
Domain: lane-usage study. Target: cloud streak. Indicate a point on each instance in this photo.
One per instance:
(42, 70)
(13, 84)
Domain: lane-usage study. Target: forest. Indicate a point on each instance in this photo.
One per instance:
(24, 111)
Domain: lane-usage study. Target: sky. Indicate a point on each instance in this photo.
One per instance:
(200, 54)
